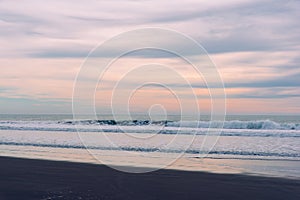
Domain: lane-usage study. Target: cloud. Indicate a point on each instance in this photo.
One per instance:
(29, 106)
(255, 44)
(266, 93)
(61, 29)
(285, 81)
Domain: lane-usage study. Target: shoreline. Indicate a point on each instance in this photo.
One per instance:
(257, 167)
(44, 179)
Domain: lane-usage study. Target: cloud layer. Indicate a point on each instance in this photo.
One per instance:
(254, 43)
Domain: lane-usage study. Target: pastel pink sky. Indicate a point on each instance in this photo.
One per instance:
(254, 44)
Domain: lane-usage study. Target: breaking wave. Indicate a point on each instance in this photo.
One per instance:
(263, 128)
(235, 124)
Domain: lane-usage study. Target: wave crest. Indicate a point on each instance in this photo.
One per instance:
(235, 124)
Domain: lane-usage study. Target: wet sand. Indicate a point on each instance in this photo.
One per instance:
(42, 179)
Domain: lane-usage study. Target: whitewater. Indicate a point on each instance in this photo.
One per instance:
(239, 138)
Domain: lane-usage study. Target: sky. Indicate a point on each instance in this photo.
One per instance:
(255, 45)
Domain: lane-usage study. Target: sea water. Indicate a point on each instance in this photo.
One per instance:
(252, 144)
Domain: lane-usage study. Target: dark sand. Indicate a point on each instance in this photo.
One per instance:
(41, 179)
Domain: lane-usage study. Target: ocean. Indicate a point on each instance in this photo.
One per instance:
(258, 144)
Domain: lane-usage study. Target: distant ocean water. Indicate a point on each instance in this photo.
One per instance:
(242, 137)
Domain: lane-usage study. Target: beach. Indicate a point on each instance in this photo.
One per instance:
(150, 100)
(43, 179)
(56, 157)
